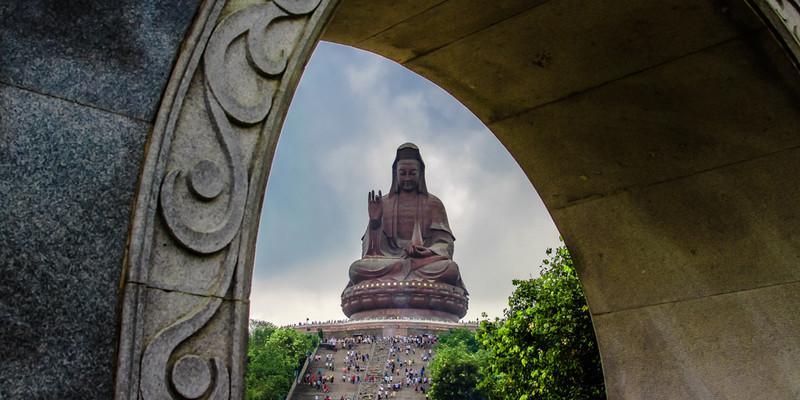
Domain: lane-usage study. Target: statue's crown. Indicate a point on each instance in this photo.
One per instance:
(408, 151)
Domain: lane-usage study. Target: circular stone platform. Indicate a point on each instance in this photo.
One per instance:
(410, 299)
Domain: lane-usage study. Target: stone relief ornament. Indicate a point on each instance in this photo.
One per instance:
(205, 182)
(189, 260)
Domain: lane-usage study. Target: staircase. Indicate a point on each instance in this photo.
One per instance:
(377, 359)
(378, 354)
(337, 389)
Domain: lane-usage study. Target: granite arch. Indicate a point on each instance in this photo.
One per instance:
(662, 136)
(677, 164)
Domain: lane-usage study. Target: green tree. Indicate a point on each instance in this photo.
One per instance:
(260, 332)
(296, 344)
(455, 373)
(274, 356)
(545, 347)
(457, 336)
(269, 374)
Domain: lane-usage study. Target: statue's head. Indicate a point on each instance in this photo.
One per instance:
(408, 170)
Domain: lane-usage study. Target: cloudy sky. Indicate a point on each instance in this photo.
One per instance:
(351, 111)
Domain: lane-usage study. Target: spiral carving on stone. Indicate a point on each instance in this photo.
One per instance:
(190, 375)
(225, 97)
(242, 64)
(261, 64)
(205, 183)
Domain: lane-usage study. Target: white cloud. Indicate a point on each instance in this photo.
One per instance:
(363, 77)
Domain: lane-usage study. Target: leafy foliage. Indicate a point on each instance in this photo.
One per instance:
(456, 372)
(260, 332)
(274, 354)
(459, 336)
(545, 347)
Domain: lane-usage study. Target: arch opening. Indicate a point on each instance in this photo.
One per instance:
(351, 111)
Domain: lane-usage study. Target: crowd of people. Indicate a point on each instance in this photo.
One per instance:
(403, 369)
(353, 363)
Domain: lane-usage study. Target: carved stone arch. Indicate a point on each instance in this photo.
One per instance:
(189, 256)
(189, 260)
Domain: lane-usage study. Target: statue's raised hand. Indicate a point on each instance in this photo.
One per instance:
(375, 206)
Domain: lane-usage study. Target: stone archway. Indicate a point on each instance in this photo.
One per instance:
(632, 221)
(189, 263)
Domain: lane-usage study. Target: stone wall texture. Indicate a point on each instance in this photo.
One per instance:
(80, 83)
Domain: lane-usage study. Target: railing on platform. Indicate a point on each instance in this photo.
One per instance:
(302, 373)
(363, 321)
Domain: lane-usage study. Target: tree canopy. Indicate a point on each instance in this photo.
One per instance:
(274, 355)
(456, 371)
(545, 347)
(459, 336)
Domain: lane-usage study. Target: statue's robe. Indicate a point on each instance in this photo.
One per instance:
(384, 259)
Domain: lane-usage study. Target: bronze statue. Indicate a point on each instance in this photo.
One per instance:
(408, 240)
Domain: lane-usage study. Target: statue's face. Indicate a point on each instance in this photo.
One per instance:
(408, 175)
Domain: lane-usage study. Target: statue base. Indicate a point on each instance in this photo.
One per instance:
(404, 300)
